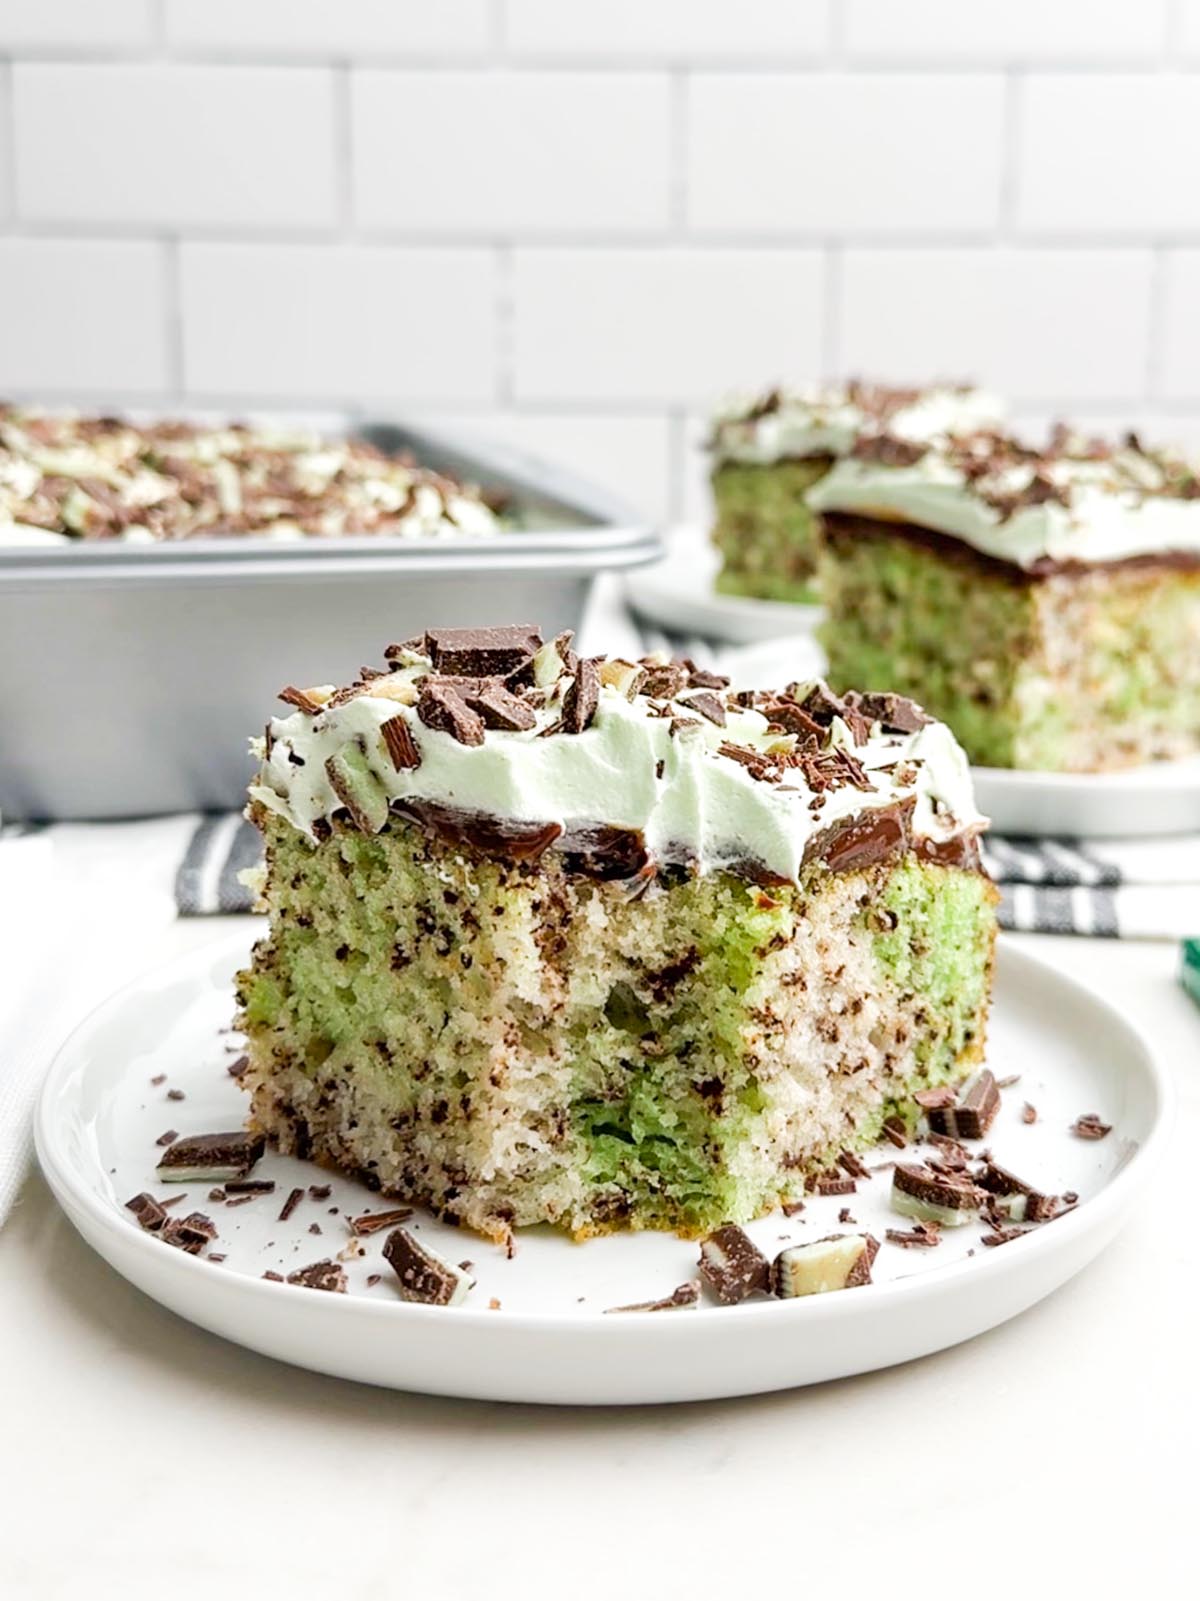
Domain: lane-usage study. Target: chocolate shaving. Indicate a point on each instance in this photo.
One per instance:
(895, 713)
(1089, 1127)
(583, 697)
(374, 1222)
(300, 698)
(1029, 1113)
(191, 1233)
(250, 1187)
(708, 706)
(290, 1205)
(400, 744)
(686, 1295)
(922, 1236)
(150, 1215)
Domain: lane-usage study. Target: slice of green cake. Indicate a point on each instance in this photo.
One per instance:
(599, 943)
(1045, 602)
(768, 450)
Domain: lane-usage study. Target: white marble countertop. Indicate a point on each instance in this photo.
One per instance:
(141, 1456)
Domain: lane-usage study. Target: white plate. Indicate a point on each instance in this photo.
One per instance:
(99, 1116)
(1163, 798)
(677, 594)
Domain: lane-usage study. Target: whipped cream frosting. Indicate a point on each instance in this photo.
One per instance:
(1079, 501)
(66, 477)
(793, 424)
(655, 766)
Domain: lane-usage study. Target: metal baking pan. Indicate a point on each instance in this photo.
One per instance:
(132, 675)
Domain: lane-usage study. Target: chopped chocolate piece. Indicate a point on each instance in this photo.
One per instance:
(216, 1256)
(320, 1192)
(922, 1236)
(581, 700)
(895, 1131)
(314, 1228)
(500, 708)
(1029, 1113)
(1013, 1198)
(373, 1279)
(443, 708)
(290, 1205)
(931, 1100)
(845, 1217)
(686, 1295)
(853, 1165)
(756, 762)
(167, 1137)
(424, 1275)
(888, 450)
(176, 1095)
(210, 1158)
(159, 1078)
(1002, 1236)
(832, 1183)
(972, 1116)
(732, 1265)
(1089, 1127)
(217, 1194)
(250, 1187)
(934, 1197)
(792, 1208)
(276, 1278)
(482, 652)
(237, 1067)
(359, 789)
(837, 1262)
(1007, 1083)
(625, 677)
(150, 1215)
(895, 713)
(821, 703)
(399, 741)
(664, 680)
(701, 678)
(708, 706)
(191, 1233)
(792, 717)
(300, 698)
(323, 1275)
(374, 1222)
(166, 1201)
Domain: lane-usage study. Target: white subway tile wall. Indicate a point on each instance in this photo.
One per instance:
(575, 226)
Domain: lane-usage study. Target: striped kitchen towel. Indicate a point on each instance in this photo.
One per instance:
(1113, 888)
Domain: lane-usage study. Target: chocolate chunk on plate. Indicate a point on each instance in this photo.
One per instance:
(732, 1265)
(150, 1215)
(325, 1275)
(837, 1262)
(424, 1275)
(935, 1196)
(210, 1158)
(1012, 1198)
(191, 1233)
(972, 1113)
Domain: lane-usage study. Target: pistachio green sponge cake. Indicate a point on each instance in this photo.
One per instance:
(768, 450)
(600, 944)
(1045, 602)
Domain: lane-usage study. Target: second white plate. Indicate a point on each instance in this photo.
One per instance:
(547, 1337)
(1163, 798)
(678, 594)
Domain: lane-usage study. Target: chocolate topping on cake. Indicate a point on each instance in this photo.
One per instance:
(440, 706)
(400, 744)
(482, 652)
(583, 697)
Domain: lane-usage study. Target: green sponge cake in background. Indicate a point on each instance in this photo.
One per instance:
(768, 450)
(600, 943)
(1045, 602)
